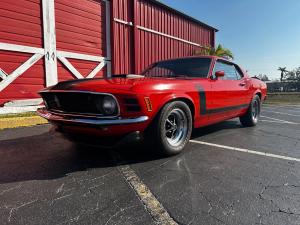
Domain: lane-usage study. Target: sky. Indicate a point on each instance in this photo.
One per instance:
(262, 34)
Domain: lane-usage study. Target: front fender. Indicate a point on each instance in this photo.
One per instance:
(163, 100)
(257, 92)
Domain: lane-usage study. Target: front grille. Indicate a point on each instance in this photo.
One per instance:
(85, 103)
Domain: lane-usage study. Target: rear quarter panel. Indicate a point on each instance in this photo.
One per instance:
(258, 87)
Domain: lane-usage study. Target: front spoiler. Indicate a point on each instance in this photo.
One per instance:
(89, 121)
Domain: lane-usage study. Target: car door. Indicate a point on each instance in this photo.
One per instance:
(244, 86)
(229, 92)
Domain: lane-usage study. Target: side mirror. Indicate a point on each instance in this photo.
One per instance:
(220, 74)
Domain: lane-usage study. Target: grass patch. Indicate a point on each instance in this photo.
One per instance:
(283, 98)
(12, 115)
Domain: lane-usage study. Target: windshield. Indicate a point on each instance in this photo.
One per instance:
(188, 67)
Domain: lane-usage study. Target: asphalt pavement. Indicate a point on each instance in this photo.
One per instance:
(227, 175)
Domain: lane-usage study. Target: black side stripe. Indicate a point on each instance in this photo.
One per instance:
(202, 97)
(225, 109)
(205, 111)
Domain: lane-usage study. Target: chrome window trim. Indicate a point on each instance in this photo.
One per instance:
(84, 114)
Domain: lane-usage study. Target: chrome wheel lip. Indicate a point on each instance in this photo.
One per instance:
(176, 127)
(255, 111)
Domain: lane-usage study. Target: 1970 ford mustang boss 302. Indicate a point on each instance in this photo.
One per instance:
(162, 105)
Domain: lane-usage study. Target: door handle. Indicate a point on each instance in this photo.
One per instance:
(242, 84)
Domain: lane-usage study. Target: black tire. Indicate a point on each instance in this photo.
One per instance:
(250, 119)
(171, 130)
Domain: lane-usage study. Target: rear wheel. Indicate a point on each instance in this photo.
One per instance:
(172, 129)
(250, 119)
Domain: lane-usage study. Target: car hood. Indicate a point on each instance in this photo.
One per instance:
(119, 83)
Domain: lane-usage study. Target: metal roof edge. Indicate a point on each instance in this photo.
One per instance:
(183, 14)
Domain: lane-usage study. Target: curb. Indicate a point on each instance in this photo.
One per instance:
(15, 122)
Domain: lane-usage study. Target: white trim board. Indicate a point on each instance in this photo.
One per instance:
(50, 52)
(3, 74)
(49, 36)
(14, 109)
(73, 55)
(123, 22)
(20, 70)
(108, 38)
(96, 70)
(24, 102)
(20, 48)
(167, 35)
(71, 68)
(76, 73)
(7, 79)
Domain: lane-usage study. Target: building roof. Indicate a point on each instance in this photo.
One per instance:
(183, 14)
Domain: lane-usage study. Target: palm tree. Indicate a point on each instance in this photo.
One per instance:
(283, 72)
(219, 51)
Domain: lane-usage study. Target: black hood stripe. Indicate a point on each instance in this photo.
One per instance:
(67, 85)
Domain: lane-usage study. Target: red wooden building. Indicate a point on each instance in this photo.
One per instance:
(46, 41)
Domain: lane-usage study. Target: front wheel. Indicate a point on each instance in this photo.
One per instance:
(171, 131)
(250, 119)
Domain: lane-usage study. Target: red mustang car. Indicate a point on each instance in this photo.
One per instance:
(162, 105)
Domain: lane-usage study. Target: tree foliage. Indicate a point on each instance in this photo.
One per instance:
(219, 51)
(263, 77)
(283, 72)
(293, 75)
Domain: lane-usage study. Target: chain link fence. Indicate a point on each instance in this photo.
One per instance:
(274, 87)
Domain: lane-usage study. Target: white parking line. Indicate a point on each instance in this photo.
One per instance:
(288, 114)
(283, 109)
(290, 105)
(282, 106)
(274, 121)
(278, 120)
(156, 210)
(246, 151)
(294, 110)
(152, 205)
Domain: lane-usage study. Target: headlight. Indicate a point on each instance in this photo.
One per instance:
(109, 105)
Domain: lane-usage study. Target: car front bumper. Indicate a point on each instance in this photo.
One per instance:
(95, 126)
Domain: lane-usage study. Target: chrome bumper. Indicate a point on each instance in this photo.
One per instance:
(89, 121)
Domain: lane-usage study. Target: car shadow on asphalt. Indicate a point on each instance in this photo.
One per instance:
(226, 125)
(49, 156)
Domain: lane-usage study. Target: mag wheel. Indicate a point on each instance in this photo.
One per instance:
(172, 129)
(255, 111)
(176, 127)
(250, 119)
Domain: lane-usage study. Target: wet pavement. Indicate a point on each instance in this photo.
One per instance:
(45, 179)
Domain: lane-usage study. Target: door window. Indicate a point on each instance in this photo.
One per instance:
(239, 72)
(229, 70)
